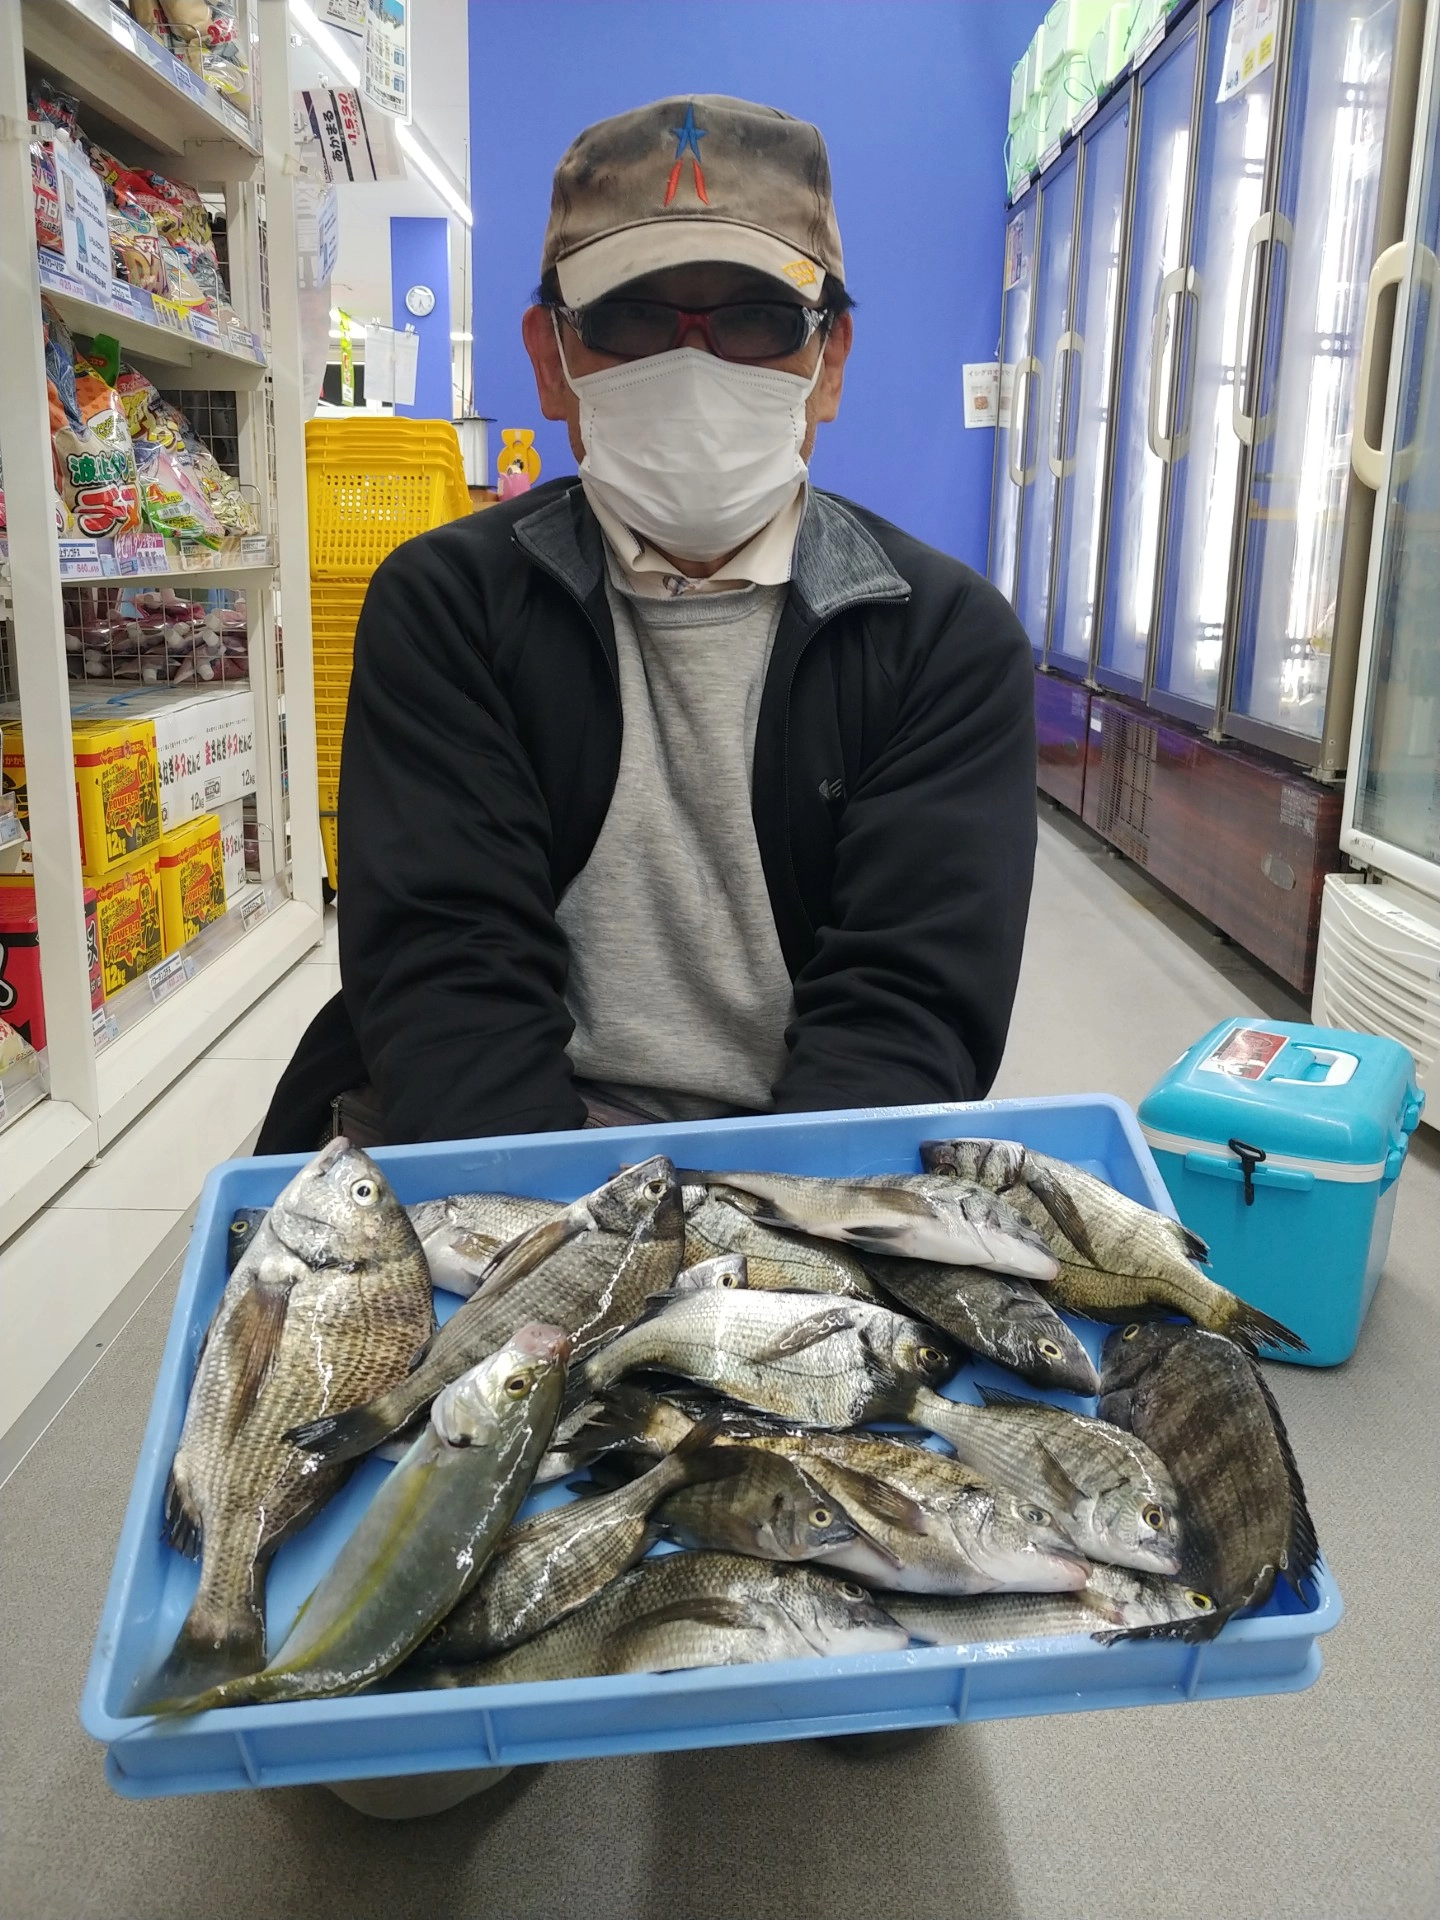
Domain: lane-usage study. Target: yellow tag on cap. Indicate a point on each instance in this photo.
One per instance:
(800, 273)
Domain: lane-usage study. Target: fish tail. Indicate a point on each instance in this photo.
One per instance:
(1252, 1329)
(221, 1641)
(345, 1436)
(1204, 1627)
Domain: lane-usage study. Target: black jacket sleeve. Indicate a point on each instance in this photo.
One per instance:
(452, 961)
(907, 997)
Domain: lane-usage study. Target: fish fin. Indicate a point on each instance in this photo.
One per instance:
(808, 1332)
(256, 1327)
(697, 1458)
(1053, 1473)
(422, 1352)
(1251, 1329)
(1190, 1244)
(1302, 1547)
(882, 1498)
(1003, 1397)
(522, 1255)
(1204, 1626)
(345, 1436)
(219, 1642)
(182, 1526)
(1054, 1198)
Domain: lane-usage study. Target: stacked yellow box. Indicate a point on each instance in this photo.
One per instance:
(129, 920)
(372, 484)
(192, 879)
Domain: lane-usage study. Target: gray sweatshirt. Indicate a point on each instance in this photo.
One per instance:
(677, 986)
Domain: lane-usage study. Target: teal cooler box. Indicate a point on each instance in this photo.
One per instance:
(1281, 1145)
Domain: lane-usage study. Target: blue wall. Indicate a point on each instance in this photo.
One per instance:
(912, 98)
(420, 257)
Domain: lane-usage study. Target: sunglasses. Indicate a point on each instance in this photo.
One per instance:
(744, 330)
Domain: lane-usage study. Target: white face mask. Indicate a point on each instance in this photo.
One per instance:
(695, 453)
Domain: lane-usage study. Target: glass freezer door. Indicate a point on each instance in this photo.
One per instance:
(1151, 307)
(1044, 397)
(1395, 776)
(1205, 448)
(1008, 477)
(1085, 436)
(1322, 243)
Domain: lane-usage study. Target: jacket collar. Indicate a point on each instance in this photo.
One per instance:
(838, 562)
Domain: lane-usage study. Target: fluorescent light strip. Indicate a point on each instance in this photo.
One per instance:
(321, 37)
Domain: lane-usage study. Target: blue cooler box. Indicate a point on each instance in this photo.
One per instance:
(1281, 1145)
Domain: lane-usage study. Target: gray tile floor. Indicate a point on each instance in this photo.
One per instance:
(1318, 1804)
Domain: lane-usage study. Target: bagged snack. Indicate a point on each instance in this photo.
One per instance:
(92, 444)
(55, 111)
(188, 245)
(171, 498)
(229, 505)
(150, 15)
(135, 245)
(45, 185)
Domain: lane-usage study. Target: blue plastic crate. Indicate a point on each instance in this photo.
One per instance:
(1273, 1651)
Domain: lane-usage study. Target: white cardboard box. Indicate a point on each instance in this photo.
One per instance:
(232, 846)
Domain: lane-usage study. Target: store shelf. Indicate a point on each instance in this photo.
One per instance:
(210, 353)
(144, 1059)
(42, 1152)
(114, 68)
(146, 557)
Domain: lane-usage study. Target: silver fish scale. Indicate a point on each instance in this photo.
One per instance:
(776, 1260)
(946, 1621)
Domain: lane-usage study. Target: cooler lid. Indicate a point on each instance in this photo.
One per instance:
(1315, 1093)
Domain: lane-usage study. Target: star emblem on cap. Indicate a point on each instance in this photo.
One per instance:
(687, 140)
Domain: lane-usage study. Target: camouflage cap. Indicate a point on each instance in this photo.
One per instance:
(636, 193)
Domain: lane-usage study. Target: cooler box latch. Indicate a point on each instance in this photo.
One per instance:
(1249, 1158)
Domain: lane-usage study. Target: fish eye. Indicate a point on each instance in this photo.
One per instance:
(820, 1516)
(1131, 1331)
(655, 1188)
(517, 1386)
(1201, 1602)
(1050, 1349)
(237, 1226)
(851, 1591)
(364, 1193)
(1154, 1517)
(729, 1280)
(931, 1357)
(1037, 1516)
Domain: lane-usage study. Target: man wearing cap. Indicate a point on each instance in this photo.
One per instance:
(682, 788)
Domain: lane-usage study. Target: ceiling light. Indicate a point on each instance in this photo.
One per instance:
(439, 180)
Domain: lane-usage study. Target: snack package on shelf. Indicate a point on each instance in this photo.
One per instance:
(129, 920)
(155, 636)
(95, 461)
(154, 419)
(118, 785)
(136, 253)
(20, 993)
(187, 243)
(192, 879)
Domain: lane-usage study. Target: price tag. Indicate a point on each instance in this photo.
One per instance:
(103, 1028)
(80, 560)
(122, 30)
(169, 975)
(12, 828)
(255, 549)
(54, 276)
(169, 315)
(204, 328)
(141, 553)
(243, 341)
(254, 910)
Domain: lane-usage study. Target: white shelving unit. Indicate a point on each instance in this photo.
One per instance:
(151, 109)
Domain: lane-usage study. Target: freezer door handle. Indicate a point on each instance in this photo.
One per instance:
(1179, 281)
(1388, 271)
(1269, 227)
(1062, 465)
(1027, 371)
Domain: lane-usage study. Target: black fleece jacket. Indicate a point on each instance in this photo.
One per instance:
(893, 797)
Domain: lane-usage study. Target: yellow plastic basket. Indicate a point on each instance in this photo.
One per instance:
(376, 483)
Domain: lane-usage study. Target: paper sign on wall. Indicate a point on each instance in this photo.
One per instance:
(387, 56)
(379, 365)
(982, 392)
(407, 365)
(1007, 395)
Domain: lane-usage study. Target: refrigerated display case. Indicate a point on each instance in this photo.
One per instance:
(1236, 204)
(1011, 428)
(1379, 967)
(1085, 432)
(1046, 362)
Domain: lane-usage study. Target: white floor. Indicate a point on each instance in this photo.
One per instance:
(72, 1278)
